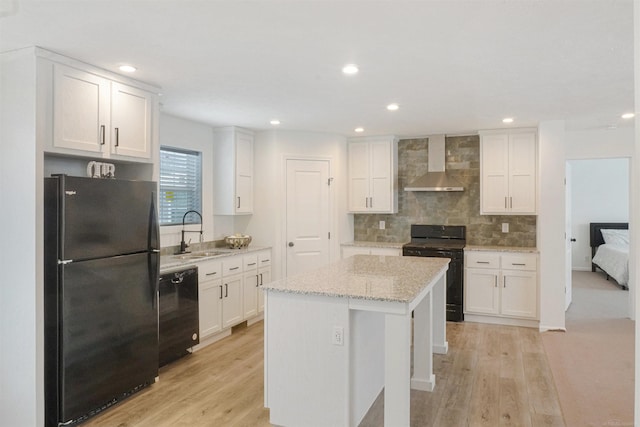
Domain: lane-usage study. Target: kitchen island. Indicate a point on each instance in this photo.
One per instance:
(336, 336)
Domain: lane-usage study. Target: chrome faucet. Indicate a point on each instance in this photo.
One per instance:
(183, 244)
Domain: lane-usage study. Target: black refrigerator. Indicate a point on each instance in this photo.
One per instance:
(101, 254)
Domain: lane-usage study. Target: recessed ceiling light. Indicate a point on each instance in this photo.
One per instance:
(392, 107)
(359, 130)
(275, 122)
(350, 69)
(127, 68)
(628, 115)
(507, 120)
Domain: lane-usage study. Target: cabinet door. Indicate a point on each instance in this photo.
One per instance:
(519, 294)
(481, 291)
(244, 173)
(522, 173)
(80, 110)
(209, 306)
(131, 111)
(250, 294)
(265, 277)
(494, 164)
(232, 301)
(381, 190)
(359, 176)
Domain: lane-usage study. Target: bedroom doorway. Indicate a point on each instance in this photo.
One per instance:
(598, 191)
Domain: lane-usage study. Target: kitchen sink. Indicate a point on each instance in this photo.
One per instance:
(198, 255)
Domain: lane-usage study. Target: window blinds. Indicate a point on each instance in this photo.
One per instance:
(180, 185)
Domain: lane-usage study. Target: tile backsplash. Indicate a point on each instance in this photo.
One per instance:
(448, 208)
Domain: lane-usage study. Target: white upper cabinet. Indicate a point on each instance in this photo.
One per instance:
(96, 117)
(373, 175)
(233, 171)
(508, 172)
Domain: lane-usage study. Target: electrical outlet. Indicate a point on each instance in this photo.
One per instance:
(382, 225)
(505, 227)
(338, 335)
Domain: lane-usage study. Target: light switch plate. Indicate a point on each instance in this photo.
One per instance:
(505, 227)
(381, 225)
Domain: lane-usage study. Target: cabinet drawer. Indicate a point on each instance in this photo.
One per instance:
(482, 260)
(232, 265)
(250, 262)
(519, 262)
(264, 258)
(208, 270)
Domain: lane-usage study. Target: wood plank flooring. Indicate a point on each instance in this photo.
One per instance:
(492, 376)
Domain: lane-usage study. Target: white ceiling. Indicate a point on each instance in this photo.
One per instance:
(452, 66)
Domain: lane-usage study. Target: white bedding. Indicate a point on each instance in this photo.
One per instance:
(614, 260)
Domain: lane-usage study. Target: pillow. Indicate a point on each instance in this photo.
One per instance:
(616, 237)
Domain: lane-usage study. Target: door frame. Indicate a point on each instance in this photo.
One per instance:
(283, 203)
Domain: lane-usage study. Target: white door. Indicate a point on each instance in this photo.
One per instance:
(307, 215)
(567, 237)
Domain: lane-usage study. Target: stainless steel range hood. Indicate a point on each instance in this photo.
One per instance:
(436, 178)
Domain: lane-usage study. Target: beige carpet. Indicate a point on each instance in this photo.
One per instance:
(593, 362)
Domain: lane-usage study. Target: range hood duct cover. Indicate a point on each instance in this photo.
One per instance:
(436, 178)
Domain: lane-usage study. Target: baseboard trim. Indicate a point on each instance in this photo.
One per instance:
(495, 320)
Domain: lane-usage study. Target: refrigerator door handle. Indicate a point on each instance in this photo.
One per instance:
(154, 231)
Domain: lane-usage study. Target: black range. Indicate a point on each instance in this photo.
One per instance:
(443, 241)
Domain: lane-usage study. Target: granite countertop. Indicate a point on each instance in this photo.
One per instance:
(172, 261)
(521, 249)
(371, 277)
(375, 244)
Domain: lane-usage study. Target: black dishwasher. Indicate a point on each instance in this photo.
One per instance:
(178, 313)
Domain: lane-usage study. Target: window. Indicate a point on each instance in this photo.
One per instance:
(180, 185)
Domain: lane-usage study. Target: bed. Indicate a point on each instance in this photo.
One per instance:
(610, 250)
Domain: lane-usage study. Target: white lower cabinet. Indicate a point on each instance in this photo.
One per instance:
(210, 297)
(229, 290)
(348, 251)
(232, 301)
(501, 286)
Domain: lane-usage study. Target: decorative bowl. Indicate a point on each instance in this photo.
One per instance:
(238, 241)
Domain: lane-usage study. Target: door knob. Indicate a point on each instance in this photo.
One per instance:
(291, 244)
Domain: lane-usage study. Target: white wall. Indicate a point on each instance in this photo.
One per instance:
(634, 228)
(21, 262)
(599, 193)
(599, 144)
(181, 133)
(266, 225)
(551, 224)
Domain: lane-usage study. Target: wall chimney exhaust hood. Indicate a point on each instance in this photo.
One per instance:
(436, 179)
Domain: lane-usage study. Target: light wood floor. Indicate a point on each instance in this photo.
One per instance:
(492, 376)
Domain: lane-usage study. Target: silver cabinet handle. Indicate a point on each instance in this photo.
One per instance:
(261, 283)
(518, 263)
(253, 263)
(291, 244)
(233, 268)
(211, 274)
(482, 262)
(257, 280)
(226, 290)
(220, 292)
(238, 202)
(102, 136)
(504, 281)
(117, 137)
(366, 202)
(496, 282)
(265, 260)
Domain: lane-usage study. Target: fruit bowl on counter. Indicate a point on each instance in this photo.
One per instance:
(238, 241)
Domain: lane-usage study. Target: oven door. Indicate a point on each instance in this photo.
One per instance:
(455, 277)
